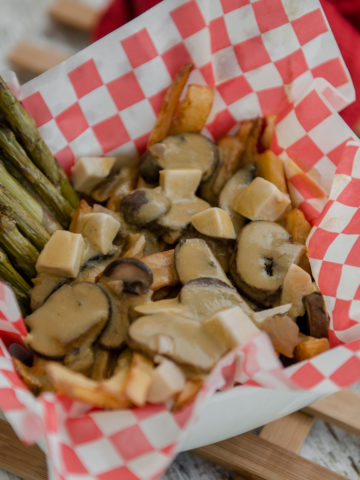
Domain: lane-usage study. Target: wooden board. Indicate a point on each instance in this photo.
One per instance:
(289, 432)
(341, 409)
(28, 462)
(74, 14)
(34, 58)
(258, 459)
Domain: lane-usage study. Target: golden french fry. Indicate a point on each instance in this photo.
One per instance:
(34, 377)
(249, 133)
(187, 395)
(309, 347)
(101, 364)
(139, 379)
(231, 149)
(135, 246)
(297, 225)
(194, 110)
(267, 136)
(162, 264)
(270, 167)
(80, 211)
(104, 394)
(169, 105)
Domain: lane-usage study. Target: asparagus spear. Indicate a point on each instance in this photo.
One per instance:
(28, 201)
(25, 129)
(14, 153)
(20, 251)
(9, 275)
(22, 190)
(28, 226)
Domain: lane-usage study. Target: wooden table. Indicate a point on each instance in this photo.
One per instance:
(326, 445)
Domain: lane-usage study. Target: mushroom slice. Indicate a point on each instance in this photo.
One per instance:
(193, 345)
(204, 297)
(231, 189)
(188, 150)
(95, 265)
(135, 275)
(317, 317)
(80, 360)
(194, 259)
(264, 254)
(169, 305)
(72, 313)
(114, 335)
(44, 286)
(144, 206)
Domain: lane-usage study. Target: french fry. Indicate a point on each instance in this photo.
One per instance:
(103, 394)
(169, 105)
(80, 211)
(162, 264)
(267, 136)
(270, 167)
(139, 379)
(34, 377)
(231, 149)
(187, 395)
(100, 368)
(135, 245)
(297, 225)
(309, 347)
(194, 110)
(250, 133)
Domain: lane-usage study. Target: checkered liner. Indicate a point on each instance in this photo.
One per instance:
(263, 57)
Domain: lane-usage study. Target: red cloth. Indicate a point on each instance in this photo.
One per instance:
(343, 17)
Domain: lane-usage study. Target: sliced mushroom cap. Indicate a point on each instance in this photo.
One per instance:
(193, 346)
(114, 334)
(144, 205)
(70, 315)
(203, 297)
(135, 275)
(80, 360)
(194, 259)
(264, 254)
(188, 150)
(317, 317)
(44, 286)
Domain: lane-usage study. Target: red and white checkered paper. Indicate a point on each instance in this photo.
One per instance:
(262, 57)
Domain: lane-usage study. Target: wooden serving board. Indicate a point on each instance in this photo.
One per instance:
(270, 455)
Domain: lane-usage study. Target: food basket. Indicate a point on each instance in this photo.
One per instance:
(265, 57)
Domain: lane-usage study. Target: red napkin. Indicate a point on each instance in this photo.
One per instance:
(343, 17)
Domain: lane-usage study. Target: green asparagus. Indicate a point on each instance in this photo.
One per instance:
(27, 225)
(9, 275)
(20, 251)
(13, 152)
(28, 135)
